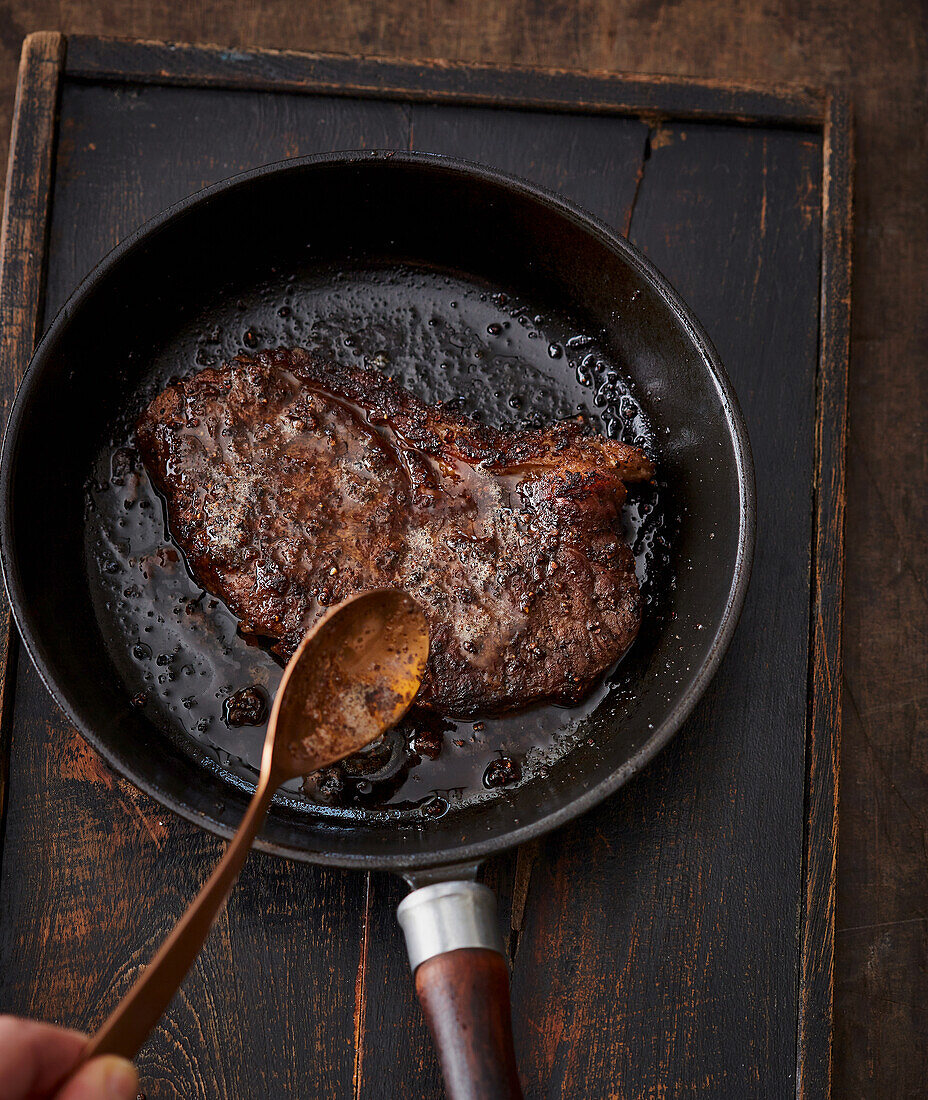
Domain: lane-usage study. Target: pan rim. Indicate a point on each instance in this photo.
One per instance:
(478, 850)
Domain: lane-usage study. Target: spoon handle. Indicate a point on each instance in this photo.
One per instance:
(130, 1022)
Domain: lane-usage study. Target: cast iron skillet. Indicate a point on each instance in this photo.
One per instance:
(389, 212)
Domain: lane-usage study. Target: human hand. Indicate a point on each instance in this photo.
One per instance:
(34, 1057)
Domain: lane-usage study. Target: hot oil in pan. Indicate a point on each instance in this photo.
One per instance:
(490, 355)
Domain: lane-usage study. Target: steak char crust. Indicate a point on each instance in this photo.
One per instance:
(292, 483)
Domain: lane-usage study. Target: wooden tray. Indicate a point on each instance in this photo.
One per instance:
(676, 940)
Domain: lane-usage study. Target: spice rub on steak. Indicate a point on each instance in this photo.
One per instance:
(292, 483)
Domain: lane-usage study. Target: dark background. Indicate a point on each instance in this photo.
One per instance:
(879, 51)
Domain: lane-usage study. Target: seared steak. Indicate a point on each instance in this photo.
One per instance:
(292, 483)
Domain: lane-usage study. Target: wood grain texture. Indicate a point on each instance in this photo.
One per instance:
(814, 1070)
(880, 53)
(22, 247)
(556, 89)
(465, 999)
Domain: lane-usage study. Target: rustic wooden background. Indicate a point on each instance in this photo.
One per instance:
(879, 50)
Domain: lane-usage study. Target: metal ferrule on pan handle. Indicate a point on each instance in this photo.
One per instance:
(447, 916)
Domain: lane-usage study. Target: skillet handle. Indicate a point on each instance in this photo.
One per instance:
(463, 986)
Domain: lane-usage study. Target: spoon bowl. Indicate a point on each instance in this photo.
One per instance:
(352, 678)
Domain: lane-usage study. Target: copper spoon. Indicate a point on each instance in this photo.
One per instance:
(351, 679)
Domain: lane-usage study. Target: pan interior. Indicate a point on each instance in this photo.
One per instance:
(450, 339)
(463, 287)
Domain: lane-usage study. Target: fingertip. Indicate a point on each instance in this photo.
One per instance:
(35, 1055)
(105, 1078)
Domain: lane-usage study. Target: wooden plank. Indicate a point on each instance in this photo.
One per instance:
(674, 906)
(881, 938)
(813, 1071)
(195, 137)
(22, 248)
(659, 97)
(555, 151)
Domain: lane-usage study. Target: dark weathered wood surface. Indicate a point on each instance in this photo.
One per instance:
(22, 246)
(813, 1063)
(655, 942)
(880, 53)
(448, 81)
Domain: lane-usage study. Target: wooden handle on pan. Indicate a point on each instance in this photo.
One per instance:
(465, 999)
